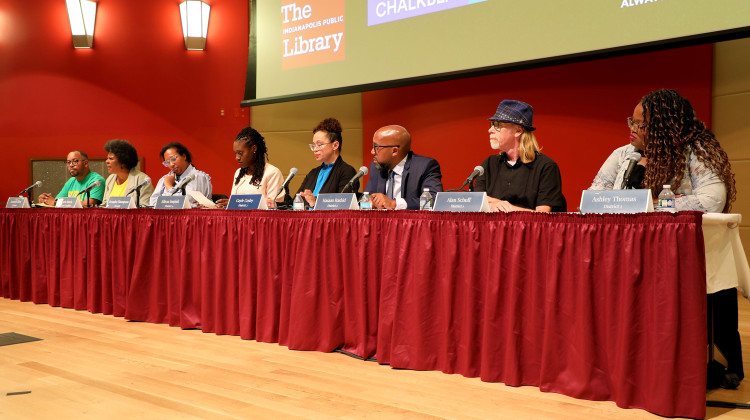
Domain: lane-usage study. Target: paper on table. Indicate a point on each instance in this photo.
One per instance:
(202, 200)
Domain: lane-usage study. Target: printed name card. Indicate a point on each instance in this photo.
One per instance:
(121, 203)
(247, 202)
(17, 203)
(461, 202)
(336, 202)
(616, 201)
(68, 203)
(175, 202)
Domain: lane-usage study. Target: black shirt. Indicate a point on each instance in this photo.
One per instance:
(340, 174)
(527, 185)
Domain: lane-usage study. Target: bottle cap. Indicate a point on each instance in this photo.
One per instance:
(426, 189)
(667, 186)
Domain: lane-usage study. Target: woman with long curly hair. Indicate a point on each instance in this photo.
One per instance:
(669, 145)
(255, 175)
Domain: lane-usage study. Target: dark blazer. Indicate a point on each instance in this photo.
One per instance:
(340, 174)
(419, 172)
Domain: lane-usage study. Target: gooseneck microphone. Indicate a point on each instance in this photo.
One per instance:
(138, 187)
(350, 185)
(183, 183)
(137, 190)
(36, 184)
(91, 186)
(478, 171)
(292, 173)
(633, 159)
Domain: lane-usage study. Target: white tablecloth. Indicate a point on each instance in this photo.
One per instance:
(726, 262)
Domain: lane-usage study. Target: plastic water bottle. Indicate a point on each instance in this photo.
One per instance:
(299, 202)
(425, 200)
(364, 202)
(666, 200)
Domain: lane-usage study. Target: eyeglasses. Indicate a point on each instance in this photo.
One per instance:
(375, 146)
(496, 124)
(167, 161)
(315, 147)
(72, 162)
(632, 124)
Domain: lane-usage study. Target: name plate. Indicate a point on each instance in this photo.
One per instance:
(68, 203)
(461, 202)
(17, 203)
(247, 202)
(336, 202)
(175, 202)
(616, 201)
(121, 203)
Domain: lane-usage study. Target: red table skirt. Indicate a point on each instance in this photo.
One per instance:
(600, 307)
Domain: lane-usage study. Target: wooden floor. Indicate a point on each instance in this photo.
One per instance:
(101, 367)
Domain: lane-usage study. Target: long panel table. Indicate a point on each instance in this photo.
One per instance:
(600, 307)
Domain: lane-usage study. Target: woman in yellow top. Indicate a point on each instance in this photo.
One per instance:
(122, 159)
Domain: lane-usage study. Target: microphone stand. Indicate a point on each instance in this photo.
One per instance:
(471, 185)
(88, 198)
(138, 198)
(349, 185)
(29, 193)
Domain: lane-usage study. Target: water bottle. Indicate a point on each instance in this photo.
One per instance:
(666, 200)
(299, 202)
(364, 202)
(425, 200)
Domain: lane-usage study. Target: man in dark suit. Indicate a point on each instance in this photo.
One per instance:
(398, 175)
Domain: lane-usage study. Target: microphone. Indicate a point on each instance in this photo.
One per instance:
(633, 159)
(91, 186)
(184, 181)
(36, 184)
(478, 171)
(139, 186)
(292, 173)
(362, 172)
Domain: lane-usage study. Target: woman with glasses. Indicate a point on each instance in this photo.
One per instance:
(333, 174)
(669, 145)
(520, 177)
(178, 159)
(255, 175)
(122, 159)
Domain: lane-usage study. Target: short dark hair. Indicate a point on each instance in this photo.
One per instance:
(123, 151)
(333, 129)
(83, 155)
(180, 148)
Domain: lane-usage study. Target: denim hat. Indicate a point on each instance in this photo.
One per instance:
(515, 112)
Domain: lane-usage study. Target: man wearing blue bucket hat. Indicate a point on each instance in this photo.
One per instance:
(520, 177)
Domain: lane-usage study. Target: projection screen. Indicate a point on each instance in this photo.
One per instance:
(309, 48)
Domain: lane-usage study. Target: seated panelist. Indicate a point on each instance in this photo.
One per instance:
(81, 176)
(398, 175)
(670, 145)
(333, 174)
(122, 159)
(255, 175)
(178, 159)
(520, 177)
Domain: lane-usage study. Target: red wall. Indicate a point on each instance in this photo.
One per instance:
(137, 83)
(579, 110)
